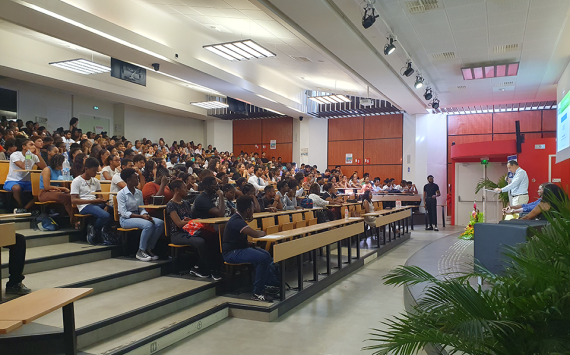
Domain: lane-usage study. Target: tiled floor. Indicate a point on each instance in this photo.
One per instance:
(336, 321)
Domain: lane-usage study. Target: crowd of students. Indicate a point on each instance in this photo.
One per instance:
(226, 185)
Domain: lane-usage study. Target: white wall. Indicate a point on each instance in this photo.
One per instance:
(153, 125)
(219, 133)
(318, 142)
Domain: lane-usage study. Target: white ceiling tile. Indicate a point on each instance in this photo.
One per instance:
(206, 3)
(469, 23)
(506, 6)
(467, 11)
(257, 15)
(241, 4)
(208, 11)
(275, 28)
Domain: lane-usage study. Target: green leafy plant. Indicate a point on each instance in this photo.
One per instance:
(525, 311)
(490, 185)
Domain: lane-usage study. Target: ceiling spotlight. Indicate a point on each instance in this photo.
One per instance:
(419, 82)
(389, 48)
(435, 104)
(369, 16)
(428, 94)
(407, 70)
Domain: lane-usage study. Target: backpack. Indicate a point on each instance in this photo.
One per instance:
(110, 237)
(307, 203)
(44, 223)
(322, 216)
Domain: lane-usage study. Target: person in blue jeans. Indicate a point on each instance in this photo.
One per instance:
(236, 250)
(132, 216)
(82, 189)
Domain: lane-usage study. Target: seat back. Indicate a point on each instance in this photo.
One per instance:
(351, 208)
(287, 226)
(267, 222)
(272, 229)
(283, 219)
(35, 180)
(253, 224)
(166, 218)
(300, 224)
(297, 217)
(220, 234)
(4, 168)
(105, 188)
(312, 222)
(309, 215)
(115, 208)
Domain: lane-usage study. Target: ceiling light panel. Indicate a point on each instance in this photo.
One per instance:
(240, 50)
(209, 105)
(329, 99)
(82, 66)
(490, 71)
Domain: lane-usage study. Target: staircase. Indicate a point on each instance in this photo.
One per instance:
(134, 305)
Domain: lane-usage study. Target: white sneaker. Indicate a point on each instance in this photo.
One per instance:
(142, 256)
(152, 255)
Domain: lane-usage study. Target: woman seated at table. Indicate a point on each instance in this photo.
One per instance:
(236, 250)
(50, 191)
(158, 187)
(553, 199)
(129, 200)
(77, 165)
(314, 194)
(368, 208)
(113, 167)
(18, 181)
(180, 213)
(366, 185)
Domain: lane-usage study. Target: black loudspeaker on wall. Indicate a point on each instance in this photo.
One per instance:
(520, 137)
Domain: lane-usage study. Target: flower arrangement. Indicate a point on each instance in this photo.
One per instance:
(476, 217)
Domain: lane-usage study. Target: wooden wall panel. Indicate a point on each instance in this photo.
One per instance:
(350, 169)
(470, 124)
(343, 129)
(339, 149)
(549, 120)
(246, 148)
(383, 151)
(283, 150)
(384, 171)
(466, 139)
(504, 122)
(247, 131)
(548, 134)
(279, 129)
(388, 126)
(513, 136)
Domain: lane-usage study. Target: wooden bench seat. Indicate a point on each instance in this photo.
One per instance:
(6, 326)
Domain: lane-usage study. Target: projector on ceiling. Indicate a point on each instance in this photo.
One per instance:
(366, 102)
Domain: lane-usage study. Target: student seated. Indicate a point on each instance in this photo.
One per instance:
(329, 194)
(132, 216)
(113, 167)
(553, 199)
(158, 187)
(368, 208)
(249, 190)
(270, 202)
(236, 250)
(180, 212)
(314, 194)
(18, 181)
(204, 206)
(412, 189)
(256, 180)
(117, 184)
(229, 197)
(82, 188)
(52, 191)
(282, 194)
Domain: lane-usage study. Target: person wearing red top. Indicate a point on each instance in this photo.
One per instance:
(157, 187)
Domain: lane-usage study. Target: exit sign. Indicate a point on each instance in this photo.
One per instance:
(484, 161)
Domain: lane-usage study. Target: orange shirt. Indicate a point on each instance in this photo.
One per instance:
(151, 188)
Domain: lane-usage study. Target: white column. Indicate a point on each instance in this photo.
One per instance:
(219, 133)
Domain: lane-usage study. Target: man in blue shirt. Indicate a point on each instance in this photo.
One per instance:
(518, 186)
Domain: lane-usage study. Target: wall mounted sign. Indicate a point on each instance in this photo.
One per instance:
(348, 159)
(128, 72)
(272, 144)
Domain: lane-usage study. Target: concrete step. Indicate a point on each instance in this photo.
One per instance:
(21, 222)
(103, 275)
(107, 314)
(57, 256)
(164, 331)
(38, 238)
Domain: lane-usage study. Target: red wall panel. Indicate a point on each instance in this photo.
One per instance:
(278, 129)
(247, 131)
(339, 149)
(548, 134)
(549, 120)
(349, 128)
(513, 136)
(466, 139)
(383, 151)
(283, 150)
(388, 126)
(470, 124)
(384, 171)
(504, 122)
(246, 148)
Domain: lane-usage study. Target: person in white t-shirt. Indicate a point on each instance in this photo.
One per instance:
(82, 196)
(113, 168)
(117, 184)
(67, 138)
(18, 181)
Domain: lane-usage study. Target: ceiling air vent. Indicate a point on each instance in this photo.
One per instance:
(506, 48)
(443, 56)
(504, 83)
(419, 6)
(456, 88)
(301, 59)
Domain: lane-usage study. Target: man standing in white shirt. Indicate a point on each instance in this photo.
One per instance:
(519, 186)
(256, 180)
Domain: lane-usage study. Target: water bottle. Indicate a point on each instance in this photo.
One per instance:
(29, 163)
(67, 146)
(398, 204)
(346, 213)
(65, 169)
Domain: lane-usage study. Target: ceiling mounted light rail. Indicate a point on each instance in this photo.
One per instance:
(329, 99)
(82, 66)
(240, 50)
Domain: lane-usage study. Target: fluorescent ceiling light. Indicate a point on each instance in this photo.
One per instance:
(292, 108)
(82, 66)
(239, 50)
(90, 29)
(329, 99)
(268, 109)
(209, 105)
(266, 98)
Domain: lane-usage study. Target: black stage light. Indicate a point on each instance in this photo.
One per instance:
(389, 48)
(369, 17)
(407, 70)
(435, 104)
(428, 94)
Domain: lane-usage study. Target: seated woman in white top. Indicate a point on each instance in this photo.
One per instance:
(117, 184)
(314, 194)
(368, 208)
(112, 168)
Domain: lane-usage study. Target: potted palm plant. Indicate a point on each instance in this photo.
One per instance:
(524, 311)
(486, 183)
